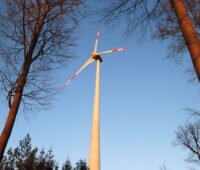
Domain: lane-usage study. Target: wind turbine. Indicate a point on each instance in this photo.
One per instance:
(94, 157)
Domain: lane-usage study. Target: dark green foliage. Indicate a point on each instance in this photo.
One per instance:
(25, 157)
(81, 165)
(67, 165)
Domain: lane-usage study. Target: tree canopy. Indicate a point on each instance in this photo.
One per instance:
(35, 38)
(26, 157)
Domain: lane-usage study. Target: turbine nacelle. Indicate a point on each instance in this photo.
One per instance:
(97, 57)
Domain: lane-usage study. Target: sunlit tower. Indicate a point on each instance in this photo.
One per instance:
(94, 157)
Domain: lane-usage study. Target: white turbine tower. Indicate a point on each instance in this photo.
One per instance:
(94, 157)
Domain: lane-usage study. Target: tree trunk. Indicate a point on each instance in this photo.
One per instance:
(4, 137)
(189, 33)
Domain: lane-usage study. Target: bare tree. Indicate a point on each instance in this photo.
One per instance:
(36, 37)
(177, 20)
(188, 137)
(191, 36)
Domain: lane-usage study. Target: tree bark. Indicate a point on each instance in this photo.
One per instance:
(189, 33)
(4, 137)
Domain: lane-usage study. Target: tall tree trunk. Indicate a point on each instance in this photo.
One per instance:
(5, 135)
(189, 33)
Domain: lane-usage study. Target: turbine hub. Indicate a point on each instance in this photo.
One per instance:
(97, 57)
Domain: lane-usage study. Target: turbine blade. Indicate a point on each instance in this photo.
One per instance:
(89, 61)
(112, 51)
(96, 42)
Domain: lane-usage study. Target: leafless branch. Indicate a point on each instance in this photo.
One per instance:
(188, 137)
(41, 31)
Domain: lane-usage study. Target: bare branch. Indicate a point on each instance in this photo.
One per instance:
(157, 17)
(188, 138)
(40, 31)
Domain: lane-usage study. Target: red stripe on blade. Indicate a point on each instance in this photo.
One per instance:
(115, 50)
(97, 37)
(73, 77)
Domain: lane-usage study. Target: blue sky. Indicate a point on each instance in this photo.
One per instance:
(142, 101)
